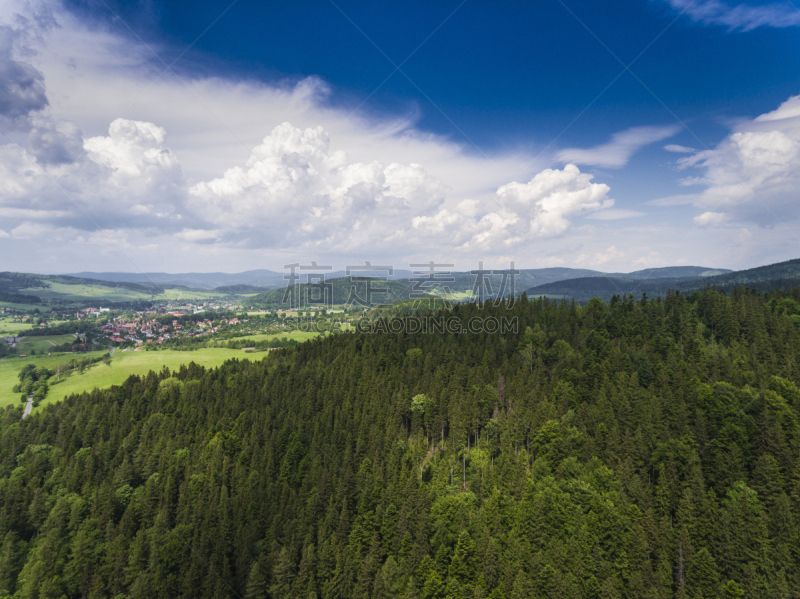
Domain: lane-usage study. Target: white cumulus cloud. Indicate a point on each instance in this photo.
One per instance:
(755, 171)
(293, 189)
(110, 158)
(539, 209)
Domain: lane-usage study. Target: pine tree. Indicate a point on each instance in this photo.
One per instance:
(256, 583)
(731, 590)
(702, 579)
(463, 566)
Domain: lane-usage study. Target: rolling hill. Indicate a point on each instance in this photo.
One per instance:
(464, 280)
(782, 275)
(335, 291)
(201, 280)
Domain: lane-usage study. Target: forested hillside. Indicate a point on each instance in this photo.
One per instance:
(636, 449)
(357, 291)
(781, 276)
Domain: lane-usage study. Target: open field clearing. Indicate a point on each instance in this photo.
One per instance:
(126, 364)
(123, 365)
(23, 307)
(10, 368)
(298, 336)
(9, 328)
(43, 344)
(82, 293)
(185, 294)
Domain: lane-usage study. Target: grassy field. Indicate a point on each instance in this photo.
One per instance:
(81, 293)
(99, 294)
(183, 294)
(8, 328)
(43, 344)
(24, 307)
(298, 336)
(455, 296)
(123, 365)
(10, 367)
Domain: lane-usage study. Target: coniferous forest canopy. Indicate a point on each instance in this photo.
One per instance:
(641, 448)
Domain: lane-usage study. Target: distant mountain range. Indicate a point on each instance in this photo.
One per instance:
(336, 291)
(461, 281)
(198, 280)
(764, 278)
(580, 284)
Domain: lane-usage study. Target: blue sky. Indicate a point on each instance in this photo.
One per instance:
(172, 136)
(513, 74)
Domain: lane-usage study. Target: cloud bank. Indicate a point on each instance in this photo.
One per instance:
(111, 151)
(110, 161)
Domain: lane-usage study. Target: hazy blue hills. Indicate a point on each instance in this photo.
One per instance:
(763, 278)
(265, 279)
(585, 288)
(334, 291)
(670, 272)
(779, 273)
(198, 280)
(459, 281)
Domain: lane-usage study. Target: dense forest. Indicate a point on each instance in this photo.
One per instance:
(641, 448)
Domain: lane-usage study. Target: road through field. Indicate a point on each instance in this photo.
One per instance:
(28, 407)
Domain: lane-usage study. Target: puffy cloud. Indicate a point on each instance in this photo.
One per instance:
(130, 175)
(21, 85)
(755, 171)
(618, 151)
(552, 196)
(185, 169)
(130, 148)
(127, 176)
(742, 16)
(708, 219)
(538, 209)
(294, 190)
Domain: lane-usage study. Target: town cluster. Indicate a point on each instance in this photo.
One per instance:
(145, 328)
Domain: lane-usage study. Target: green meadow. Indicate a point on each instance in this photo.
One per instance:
(24, 307)
(185, 294)
(100, 375)
(43, 344)
(10, 368)
(9, 328)
(82, 294)
(298, 336)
